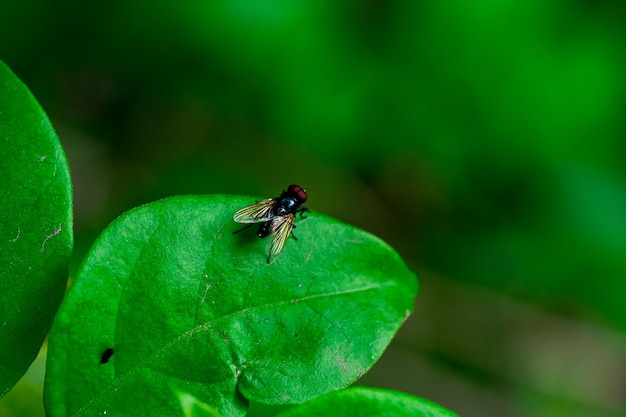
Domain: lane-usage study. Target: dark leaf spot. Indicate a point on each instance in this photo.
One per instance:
(106, 355)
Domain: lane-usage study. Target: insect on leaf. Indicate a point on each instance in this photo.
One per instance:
(187, 305)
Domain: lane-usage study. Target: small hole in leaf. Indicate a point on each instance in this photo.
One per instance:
(106, 355)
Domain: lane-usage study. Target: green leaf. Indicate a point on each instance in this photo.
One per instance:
(186, 305)
(35, 227)
(368, 402)
(194, 408)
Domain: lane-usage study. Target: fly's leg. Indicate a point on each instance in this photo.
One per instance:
(301, 210)
(243, 228)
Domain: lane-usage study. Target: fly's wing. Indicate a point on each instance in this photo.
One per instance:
(281, 228)
(256, 213)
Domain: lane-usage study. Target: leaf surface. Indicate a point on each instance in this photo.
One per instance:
(36, 235)
(194, 408)
(174, 301)
(368, 402)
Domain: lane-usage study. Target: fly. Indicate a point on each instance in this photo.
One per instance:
(275, 216)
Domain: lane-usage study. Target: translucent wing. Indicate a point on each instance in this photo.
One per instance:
(256, 213)
(281, 228)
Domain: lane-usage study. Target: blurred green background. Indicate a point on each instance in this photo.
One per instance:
(484, 140)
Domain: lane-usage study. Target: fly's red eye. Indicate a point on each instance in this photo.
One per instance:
(299, 191)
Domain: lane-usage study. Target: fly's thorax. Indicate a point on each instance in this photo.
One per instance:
(285, 206)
